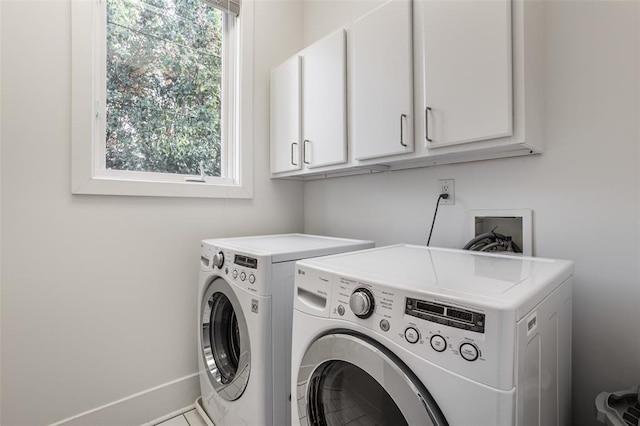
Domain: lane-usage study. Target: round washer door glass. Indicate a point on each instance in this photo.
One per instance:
(225, 341)
(339, 384)
(347, 379)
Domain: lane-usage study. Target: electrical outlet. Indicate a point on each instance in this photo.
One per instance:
(448, 186)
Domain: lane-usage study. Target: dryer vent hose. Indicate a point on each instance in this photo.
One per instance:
(492, 241)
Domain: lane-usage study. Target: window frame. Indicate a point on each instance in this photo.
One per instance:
(88, 90)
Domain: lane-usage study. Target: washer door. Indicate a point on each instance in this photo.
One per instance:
(225, 340)
(347, 378)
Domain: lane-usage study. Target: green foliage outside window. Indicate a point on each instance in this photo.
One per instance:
(164, 93)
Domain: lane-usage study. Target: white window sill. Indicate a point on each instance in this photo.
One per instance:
(131, 187)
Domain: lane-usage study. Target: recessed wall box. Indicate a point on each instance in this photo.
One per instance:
(514, 223)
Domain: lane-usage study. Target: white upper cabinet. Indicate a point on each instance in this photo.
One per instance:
(324, 104)
(309, 108)
(382, 81)
(346, 104)
(465, 51)
(285, 117)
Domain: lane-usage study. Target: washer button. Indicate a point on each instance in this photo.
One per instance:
(438, 343)
(243, 276)
(384, 325)
(340, 310)
(235, 273)
(469, 351)
(412, 335)
(252, 278)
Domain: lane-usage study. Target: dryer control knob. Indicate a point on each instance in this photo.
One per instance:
(361, 302)
(218, 259)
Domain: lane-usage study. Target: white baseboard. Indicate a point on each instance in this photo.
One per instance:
(171, 415)
(143, 407)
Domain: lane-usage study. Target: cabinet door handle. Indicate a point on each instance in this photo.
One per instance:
(427, 111)
(304, 152)
(293, 163)
(401, 132)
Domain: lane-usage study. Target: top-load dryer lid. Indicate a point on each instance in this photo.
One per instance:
(500, 281)
(288, 247)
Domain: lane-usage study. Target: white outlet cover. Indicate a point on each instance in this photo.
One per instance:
(451, 183)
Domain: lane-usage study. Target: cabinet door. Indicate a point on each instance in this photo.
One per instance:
(285, 117)
(467, 70)
(382, 81)
(324, 105)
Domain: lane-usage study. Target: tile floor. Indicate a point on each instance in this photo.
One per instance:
(188, 418)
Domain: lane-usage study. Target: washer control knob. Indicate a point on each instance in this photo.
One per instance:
(412, 335)
(438, 343)
(252, 278)
(235, 273)
(243, 276)
(218, 259)
(361, 302)
(469, 351)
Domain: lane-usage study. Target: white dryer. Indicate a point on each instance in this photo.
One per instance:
(409, 335)
(244, 323)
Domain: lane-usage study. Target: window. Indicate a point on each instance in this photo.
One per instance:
(157, 100)
(164, 79)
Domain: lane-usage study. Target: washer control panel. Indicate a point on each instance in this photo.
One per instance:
(445, 314)
(243, 268)
(472, 338)
(246, 271)
(447, 333)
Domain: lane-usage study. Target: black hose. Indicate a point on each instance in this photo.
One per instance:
(491, 237)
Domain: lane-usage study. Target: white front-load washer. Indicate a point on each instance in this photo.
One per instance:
(245, 311)
(409, 335)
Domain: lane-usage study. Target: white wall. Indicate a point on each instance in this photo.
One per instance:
(99, 292)
(584, 190)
